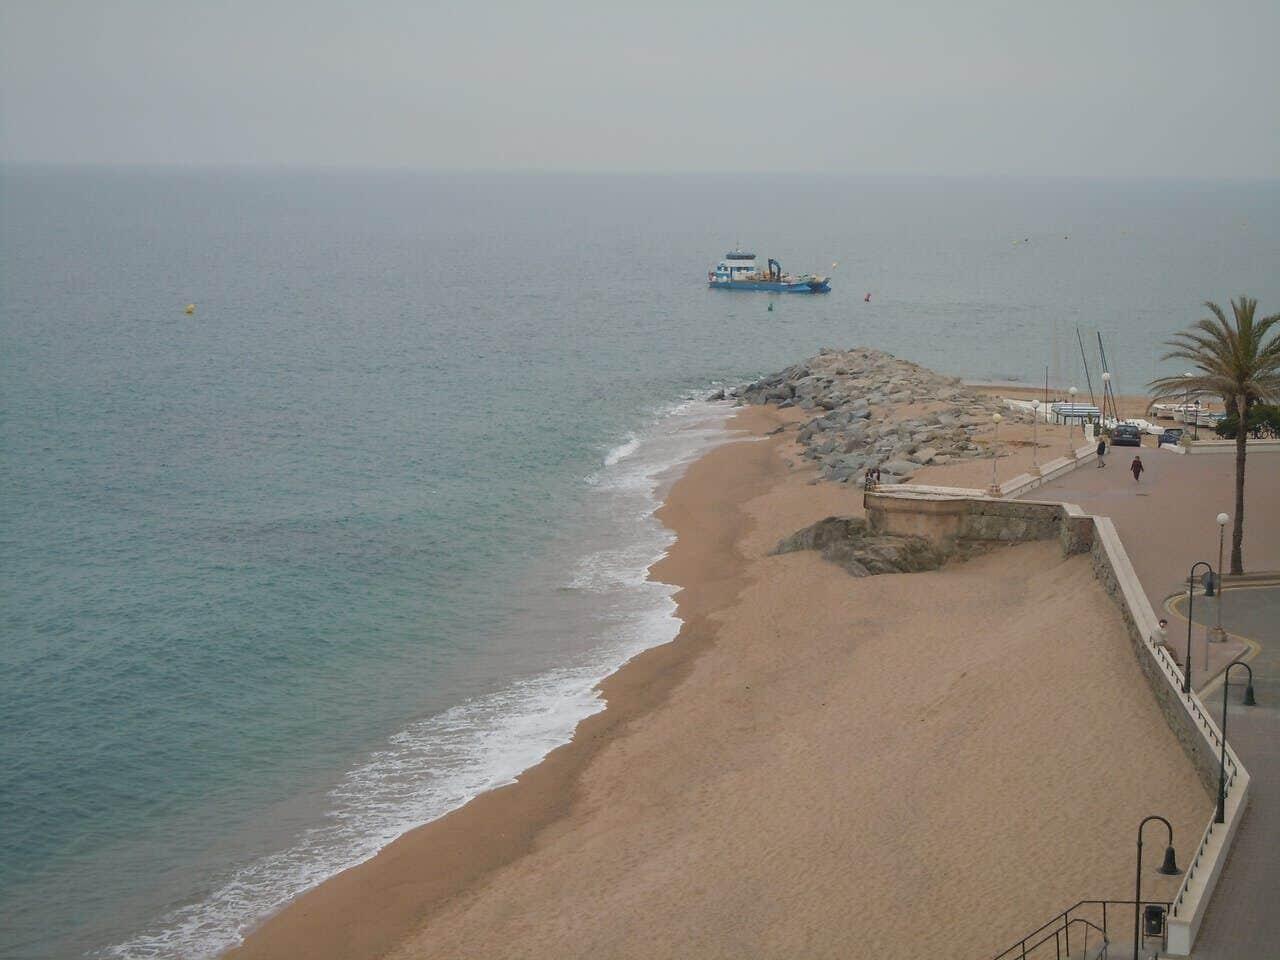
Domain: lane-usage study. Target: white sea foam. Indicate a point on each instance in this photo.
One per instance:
(622, 451)
(439, 763)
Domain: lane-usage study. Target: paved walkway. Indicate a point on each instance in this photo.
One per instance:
(1167, 522)
(1243, 921)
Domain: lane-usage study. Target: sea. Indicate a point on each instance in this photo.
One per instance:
(354, 539)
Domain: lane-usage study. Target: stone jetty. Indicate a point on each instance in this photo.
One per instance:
(873, 410)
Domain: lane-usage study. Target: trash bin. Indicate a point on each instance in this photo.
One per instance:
(1153, 920)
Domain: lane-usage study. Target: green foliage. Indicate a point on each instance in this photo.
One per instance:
(1261, 418)
(1228, 358)
(1237, 360)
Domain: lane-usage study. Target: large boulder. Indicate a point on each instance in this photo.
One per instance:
(845, 541)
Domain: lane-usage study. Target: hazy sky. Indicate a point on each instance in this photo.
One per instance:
(967, 87)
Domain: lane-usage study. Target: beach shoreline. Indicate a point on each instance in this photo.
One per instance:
(704, 799)
(366, 909)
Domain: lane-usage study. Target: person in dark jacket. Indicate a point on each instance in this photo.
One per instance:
(1136, 468)
(1102, 449)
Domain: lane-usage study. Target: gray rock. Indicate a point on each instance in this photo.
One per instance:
(846, 542)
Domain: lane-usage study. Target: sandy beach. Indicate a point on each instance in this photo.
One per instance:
(818, 765)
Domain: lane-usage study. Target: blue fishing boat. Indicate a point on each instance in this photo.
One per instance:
(738, 271)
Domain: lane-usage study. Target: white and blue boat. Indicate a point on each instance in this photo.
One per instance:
(738, 271)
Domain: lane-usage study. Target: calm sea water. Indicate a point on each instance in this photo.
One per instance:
(353, 542)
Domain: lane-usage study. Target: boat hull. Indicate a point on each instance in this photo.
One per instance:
(815, 285)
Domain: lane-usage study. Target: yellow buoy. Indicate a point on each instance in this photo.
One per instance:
(191, 308)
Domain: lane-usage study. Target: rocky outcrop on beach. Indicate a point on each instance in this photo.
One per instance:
(846, 542)
(872, 410)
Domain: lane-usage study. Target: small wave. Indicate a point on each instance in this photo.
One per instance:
(439, 763)
(607, 570)
(622, 451)
(424, 771)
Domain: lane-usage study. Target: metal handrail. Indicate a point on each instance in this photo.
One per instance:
(1062, 924)
(1056, 936)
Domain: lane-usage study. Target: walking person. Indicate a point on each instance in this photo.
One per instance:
(1102, 449)
(1136, 468)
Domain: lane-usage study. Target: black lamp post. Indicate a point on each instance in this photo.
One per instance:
(1248, 701)
(1169, 868)
(1191, 600)
(1196, 427)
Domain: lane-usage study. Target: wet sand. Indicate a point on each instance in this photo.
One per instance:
(817, 765)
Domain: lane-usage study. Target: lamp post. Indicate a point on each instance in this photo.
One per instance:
(1186, 396)
(994, 489)
(1169, 868)
(1248, 701)
(1035, 448)
(1106, 389)
(1071, 425)
(1191, 605)
(1219, 634)
(1196, 426)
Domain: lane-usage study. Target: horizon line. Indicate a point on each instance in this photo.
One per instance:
(307, 167)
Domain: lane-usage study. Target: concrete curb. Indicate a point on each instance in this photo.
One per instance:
(1203, 447)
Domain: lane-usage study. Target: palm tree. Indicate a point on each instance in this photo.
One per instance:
(1233, 362)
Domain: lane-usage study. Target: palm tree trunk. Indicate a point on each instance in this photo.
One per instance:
(1237, 528)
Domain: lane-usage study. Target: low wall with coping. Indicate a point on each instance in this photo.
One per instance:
(961, 517)
(1200, 447)
(944, 519)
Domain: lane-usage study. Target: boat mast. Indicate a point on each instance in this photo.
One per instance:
(1087, 378)
(1108, 387)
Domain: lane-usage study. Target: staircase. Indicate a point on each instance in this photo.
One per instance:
(1088, 930)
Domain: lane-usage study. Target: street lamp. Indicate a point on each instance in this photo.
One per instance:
(1035, 448)
(1169, 868)
(1219, 634)
(1191, 601)
(1186, 396)
(1196, 426)
(1071, 424)
(995, 453)
(1106, 384)
(1248, 701)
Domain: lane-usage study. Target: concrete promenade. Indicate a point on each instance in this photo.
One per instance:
(1167, 522)
(1242, 918)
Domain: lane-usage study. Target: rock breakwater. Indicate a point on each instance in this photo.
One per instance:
(873, 410)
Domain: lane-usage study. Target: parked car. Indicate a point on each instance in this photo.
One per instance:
(1126, 435)
(1171, 436)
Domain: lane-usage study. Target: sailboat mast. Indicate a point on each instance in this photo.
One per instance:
(1107, 386)
(1088, 379)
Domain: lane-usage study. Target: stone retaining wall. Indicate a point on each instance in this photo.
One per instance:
(944, 519)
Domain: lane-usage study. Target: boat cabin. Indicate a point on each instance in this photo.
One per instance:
(735, 266)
